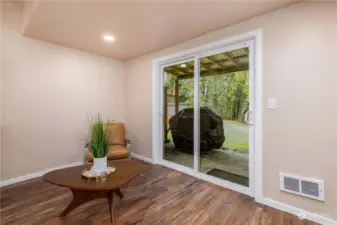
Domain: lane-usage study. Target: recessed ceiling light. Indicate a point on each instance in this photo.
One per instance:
(107, 37)
(183, 65)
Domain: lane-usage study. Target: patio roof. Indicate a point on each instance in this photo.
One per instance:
(227, 62)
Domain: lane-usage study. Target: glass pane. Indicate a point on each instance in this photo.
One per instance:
(178, 113)
(224, 106)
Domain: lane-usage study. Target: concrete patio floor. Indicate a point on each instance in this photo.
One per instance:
(232, 161)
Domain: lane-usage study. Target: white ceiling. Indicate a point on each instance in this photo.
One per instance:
(139, 27)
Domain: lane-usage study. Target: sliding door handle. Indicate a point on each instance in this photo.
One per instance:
(249, 117)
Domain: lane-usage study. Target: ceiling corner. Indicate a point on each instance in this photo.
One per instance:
(27, 11)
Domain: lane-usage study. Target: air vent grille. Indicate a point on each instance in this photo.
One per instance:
(291, 184)
(306, 187)
(310, 188)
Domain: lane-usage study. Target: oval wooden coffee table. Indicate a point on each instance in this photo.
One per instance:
(86, 190)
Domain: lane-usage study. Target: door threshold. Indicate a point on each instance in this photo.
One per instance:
(208, 178)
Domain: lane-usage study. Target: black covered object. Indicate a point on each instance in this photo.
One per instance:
(211, 130)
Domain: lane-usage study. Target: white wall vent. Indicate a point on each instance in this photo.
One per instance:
(306, 187)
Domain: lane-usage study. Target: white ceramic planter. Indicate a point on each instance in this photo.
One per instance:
(100, 165)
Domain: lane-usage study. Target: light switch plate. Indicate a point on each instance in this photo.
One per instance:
(272, 103)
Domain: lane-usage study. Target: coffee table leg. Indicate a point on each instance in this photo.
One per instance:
(119, 193)
(111, 207)
(78, 199)
(73, 204)
(81, 197)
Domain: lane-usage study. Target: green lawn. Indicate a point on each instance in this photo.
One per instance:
(237, 135)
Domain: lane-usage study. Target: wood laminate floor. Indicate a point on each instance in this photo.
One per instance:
(158, 196)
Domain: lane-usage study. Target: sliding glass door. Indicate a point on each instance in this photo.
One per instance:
(178, 113)
(207, 116)
(224, 108)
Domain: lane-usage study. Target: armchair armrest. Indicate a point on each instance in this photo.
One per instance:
(85, 153)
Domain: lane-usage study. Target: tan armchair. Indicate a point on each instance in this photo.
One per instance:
(117, 149)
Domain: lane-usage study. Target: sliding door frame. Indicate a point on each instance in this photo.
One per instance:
(252, 40)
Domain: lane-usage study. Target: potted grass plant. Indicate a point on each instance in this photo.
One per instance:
(98, 144)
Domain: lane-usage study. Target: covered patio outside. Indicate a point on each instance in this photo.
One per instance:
(232, 156)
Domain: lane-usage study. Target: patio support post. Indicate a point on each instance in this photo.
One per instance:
(165, 113)
(177, 96)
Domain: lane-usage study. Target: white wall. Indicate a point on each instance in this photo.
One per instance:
(299, 69)
(48, 91)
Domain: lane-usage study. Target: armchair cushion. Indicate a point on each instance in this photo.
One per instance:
(115, 152)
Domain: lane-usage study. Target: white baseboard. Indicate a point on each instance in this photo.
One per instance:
(145, 159)
(321, 219)
(36, 174)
